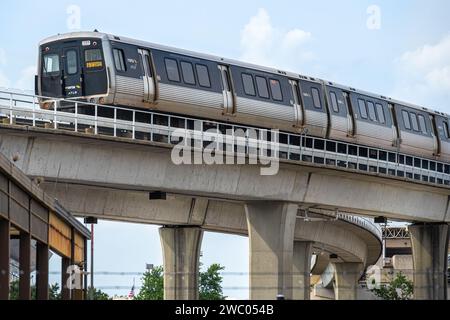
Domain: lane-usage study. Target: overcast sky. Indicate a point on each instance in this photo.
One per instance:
(397, 48)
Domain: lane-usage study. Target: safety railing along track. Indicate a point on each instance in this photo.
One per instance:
(95, 119)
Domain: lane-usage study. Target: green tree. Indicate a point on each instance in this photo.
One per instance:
(98, 294)
(211, 283)
(54, 293)
(152, 285)
(210, 286)
(400, 288)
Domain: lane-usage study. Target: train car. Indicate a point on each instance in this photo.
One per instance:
(107, 69)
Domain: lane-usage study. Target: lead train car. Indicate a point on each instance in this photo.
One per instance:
(111, 70)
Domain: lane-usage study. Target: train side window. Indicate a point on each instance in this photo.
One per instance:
(334, 103)
(406, 120)
(380, 113)
(188, 72)
(172, 70)
(414, 123)
(362, 108)
(275, 87)
(249, 86)
(203, 76)
(371, 108)
(72, 62)
(446, 131)
(51, 63)
(316, 98)
(119, 60)
(261, 84)
(422, 123)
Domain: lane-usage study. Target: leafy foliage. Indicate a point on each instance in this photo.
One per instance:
(98, 294)
(54, 292)
(400, 288)
(152, 285)
(210, 284)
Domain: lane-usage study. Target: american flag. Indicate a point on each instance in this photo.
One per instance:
(131, 294)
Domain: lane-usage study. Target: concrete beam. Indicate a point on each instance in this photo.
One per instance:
(347, 276)
(181, 252)
(271, 227)
(430, 249)
(302, 270)
(350, 242)
(97, 161)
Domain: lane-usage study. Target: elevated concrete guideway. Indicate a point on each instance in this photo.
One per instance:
(115, 163)
(109, 176)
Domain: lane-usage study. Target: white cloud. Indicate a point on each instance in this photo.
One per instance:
(264, 44)
(295, 37)
(26, 80)
(424, 75)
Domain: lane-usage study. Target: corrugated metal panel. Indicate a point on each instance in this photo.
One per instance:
(39, 210)
(421, 145)
(365, 129)
(39, 229)
(79, 248)
(130, 86)
(178, 94)
(60, 236)
(445, 150)
(264, 109)
(339, 127)
(314, 118)
(19, 215)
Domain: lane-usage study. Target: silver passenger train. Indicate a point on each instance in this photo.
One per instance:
(112, 70)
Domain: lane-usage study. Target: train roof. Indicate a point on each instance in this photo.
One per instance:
(106, 36)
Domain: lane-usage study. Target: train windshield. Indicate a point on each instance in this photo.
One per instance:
(73, 69)
(51, 63)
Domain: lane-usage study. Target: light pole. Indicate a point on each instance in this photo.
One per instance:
(92, 221)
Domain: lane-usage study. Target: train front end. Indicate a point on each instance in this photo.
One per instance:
(72, 67)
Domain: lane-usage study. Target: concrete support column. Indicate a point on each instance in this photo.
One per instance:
(25, 266)
(271, 227)
(302, 270)
(181, 253)
(430, 248)
(347, 275)
(65, 291)
(42, 271)
(4, 259)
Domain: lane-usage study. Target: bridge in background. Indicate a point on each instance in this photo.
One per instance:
(107, 166)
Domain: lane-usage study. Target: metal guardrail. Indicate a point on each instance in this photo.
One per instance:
(95, 119)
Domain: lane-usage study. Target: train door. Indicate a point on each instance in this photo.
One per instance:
(148, 76)
(351, 121)
(228, 97)
(71, 73)
(51, 82)
(298, 110)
